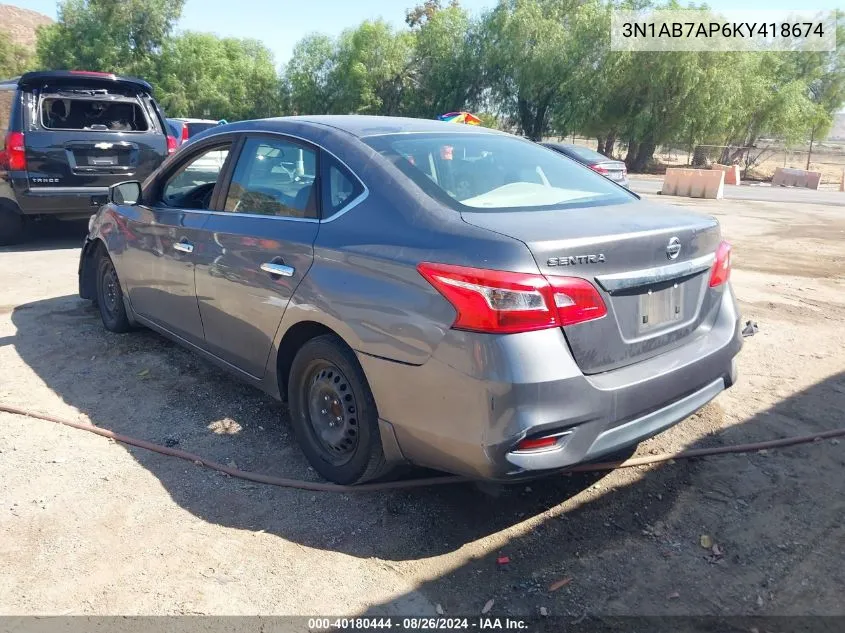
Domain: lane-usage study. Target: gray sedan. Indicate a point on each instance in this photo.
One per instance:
(422, 292)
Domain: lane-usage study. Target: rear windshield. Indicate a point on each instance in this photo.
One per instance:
(61, 113)
(495, 172)
(585, 152)
(196, 128)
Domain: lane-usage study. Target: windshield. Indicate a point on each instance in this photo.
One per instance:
(495, 172)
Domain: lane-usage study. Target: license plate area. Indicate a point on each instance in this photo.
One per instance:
(660, 308)
(102, 161)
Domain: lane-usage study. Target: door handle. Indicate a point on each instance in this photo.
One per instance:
(278, 269)
(185, 247)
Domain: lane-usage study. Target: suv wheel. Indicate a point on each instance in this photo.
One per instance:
(333, 412)
(11, 227)
(110, 297)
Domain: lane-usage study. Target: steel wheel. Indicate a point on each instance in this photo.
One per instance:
(110, 297)
(332, 411)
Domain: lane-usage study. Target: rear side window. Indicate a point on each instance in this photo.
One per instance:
(62, 113)
(274, 177)
(6, 97)
(495, 172)
(339, 187)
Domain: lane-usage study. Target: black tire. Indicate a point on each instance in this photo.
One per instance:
(342, 443)
(11, 227)
(110, 297)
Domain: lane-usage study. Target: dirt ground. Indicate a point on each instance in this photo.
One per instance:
(89, 526)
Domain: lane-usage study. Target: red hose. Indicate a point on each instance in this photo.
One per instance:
(413, 483)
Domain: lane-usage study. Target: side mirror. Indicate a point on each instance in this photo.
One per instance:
(128, 192)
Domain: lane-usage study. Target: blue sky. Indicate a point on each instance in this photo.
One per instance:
(281, 23)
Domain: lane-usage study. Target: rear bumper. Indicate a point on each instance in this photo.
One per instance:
(466, 409)
(56, 201)
(75, 201)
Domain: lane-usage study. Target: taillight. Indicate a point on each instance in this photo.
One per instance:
(502, 302)
(171, 144)
(536, 443)
(184, 133)
(542, 443)
(722, 268)
(600, 170)
(14, 154)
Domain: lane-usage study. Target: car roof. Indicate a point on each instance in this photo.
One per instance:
(82, 76)
(361, 125)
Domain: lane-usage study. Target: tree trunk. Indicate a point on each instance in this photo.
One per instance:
(600, 148)
(633, 147)
(810, 153)
(609, 144)
(645, 154)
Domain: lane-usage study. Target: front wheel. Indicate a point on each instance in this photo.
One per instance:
(333, 412)
(110, 297)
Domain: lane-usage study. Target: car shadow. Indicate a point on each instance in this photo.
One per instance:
(143, 385)
(50, 235)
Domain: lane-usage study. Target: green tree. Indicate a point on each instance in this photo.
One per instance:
(448, 69)
(311, 74)
(200, 74)
(122, 36)
(540, 55)
(374, 69)
(14, 59)
(423, 13)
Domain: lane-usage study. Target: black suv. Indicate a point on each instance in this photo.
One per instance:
(65, 136)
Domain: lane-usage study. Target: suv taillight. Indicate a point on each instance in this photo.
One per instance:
(502, 302)
(184, 133)
(13, 157)
(722, 268)
(171, 144)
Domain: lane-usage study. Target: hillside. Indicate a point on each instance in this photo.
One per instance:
(20, 24)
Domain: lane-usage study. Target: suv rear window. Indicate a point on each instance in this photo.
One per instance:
(62, 113)
(495, 172)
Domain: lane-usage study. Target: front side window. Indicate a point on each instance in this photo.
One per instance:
(489, 172)
(192, 186)
(274, 177)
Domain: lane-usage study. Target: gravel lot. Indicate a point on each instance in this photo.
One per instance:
(88, 526)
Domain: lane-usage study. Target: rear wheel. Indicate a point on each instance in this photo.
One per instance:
(110, 297)
(333, 412)
(11, 227)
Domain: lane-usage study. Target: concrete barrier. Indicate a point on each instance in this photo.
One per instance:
(731, 173)
(694, 183)
(787, 177)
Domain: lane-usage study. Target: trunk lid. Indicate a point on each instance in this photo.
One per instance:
(615, 170)
(651, 264)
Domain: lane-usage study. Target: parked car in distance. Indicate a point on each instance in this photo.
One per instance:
(66, 136)
(184, 129)
(445, 295)
(599, 163)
